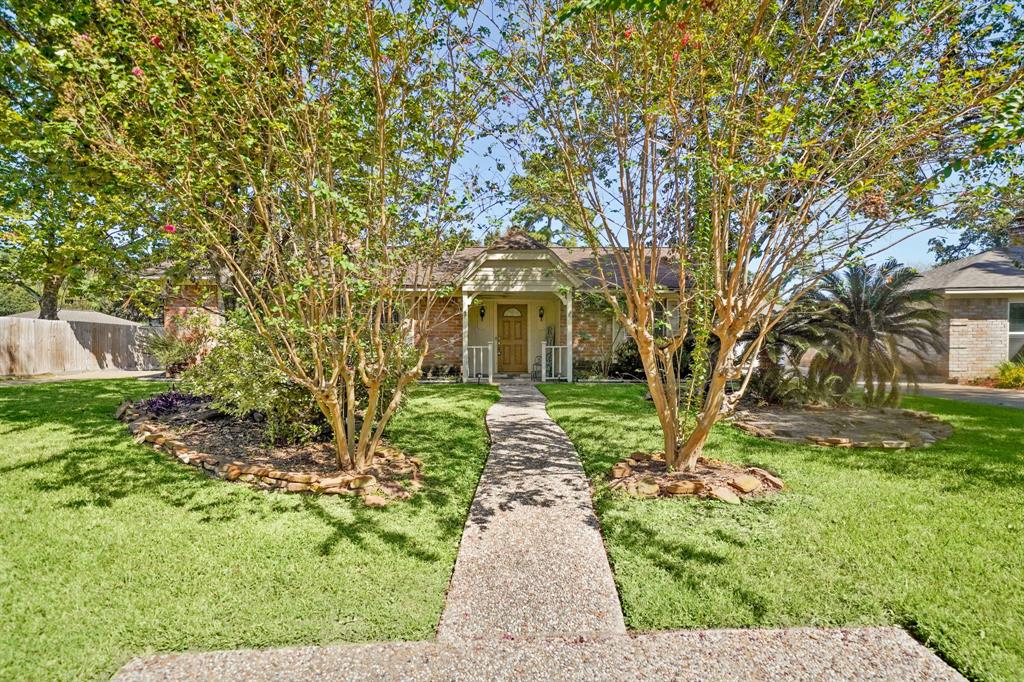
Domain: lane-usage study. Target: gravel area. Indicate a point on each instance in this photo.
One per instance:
(765, 655)
(532, 561)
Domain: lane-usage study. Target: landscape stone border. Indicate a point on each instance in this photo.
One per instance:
(146, 429)
(645, 475)
(936, 429)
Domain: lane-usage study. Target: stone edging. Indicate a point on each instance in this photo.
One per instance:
(144, 430)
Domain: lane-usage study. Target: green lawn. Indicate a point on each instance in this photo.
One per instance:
(110, 550)
(932, 540)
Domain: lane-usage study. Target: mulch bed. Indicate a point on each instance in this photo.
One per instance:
(236, 450)
(645, 474)
(844, 427)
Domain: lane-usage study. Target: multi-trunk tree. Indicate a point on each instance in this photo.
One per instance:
(311, 149)
(750, 147)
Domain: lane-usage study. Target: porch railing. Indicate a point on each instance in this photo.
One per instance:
(480, 362)
(554, 362)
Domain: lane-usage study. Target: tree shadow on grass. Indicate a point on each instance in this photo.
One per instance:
(682, 561)
(984, 450)
(97, 464)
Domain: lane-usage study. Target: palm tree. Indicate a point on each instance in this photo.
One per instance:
(872, 327)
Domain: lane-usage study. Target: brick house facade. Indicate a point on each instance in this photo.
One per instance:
(512, 310)
(983, 297)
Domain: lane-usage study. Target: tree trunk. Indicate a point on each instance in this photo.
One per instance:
(666, 405)
(686, 458)
(331, 409)
(48, 302)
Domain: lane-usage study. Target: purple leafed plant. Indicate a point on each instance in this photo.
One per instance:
(171, 401)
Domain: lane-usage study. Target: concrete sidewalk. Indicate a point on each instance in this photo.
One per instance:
(796, 655)
(532, 562)
(1002, 397)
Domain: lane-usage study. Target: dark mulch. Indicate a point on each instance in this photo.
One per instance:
(200, 427)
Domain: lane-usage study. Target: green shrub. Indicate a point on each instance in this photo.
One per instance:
(14, 299)
(1011, 375)
(182, 347)
(240, 377)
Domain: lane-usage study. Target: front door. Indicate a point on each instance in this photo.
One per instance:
(511, 338)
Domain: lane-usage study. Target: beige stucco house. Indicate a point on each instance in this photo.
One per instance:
(515, 309)
(984, 298)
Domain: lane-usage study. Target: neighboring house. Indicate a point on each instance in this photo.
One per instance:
(513, 303)
(984, 298)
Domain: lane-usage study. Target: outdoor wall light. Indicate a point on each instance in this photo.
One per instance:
(483, 311)
(540, 312)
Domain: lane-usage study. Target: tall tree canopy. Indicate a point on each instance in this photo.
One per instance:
(754, 146)
(65, 225)
(312, 148)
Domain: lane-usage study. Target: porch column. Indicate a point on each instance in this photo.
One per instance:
(568, 336)
(466, 301)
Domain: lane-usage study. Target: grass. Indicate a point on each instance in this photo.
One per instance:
(111, 550)
(927, 539)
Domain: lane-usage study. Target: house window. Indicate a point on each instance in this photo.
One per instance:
(1017, 331)
(512, 312)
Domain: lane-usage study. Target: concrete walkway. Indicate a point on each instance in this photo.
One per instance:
(1003, 397)
(532, 597)
(532, 562)
(791, 655)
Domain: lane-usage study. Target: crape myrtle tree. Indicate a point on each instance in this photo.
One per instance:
(749, 148)
(66, 226)
(311, 147)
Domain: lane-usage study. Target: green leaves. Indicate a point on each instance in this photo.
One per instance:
(652, 8)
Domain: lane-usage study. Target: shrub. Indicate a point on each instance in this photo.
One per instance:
(14, 299)
(182, 347)
(626, 363)
(171, 401)
(242, 380)
(1010, 375)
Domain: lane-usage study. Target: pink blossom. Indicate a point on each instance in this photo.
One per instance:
(137, 72)
(84, 37)
(629, 33)
(170, 228)
(154, 40)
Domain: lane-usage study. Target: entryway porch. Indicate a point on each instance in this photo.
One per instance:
(506, 335)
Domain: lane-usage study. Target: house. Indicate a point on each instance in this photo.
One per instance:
(983, 296)
(517, 307)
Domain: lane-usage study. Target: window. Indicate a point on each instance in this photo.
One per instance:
(512, 312)
(1017, 331)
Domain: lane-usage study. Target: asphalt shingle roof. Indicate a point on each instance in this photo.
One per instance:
(994, 269)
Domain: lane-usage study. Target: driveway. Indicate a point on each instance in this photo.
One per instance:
(1003, 397)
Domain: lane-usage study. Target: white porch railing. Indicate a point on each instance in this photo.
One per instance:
(554, 362)
(480, 362)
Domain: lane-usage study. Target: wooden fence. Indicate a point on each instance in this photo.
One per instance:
(30, 346)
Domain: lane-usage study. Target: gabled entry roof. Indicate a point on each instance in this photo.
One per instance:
(578, 264)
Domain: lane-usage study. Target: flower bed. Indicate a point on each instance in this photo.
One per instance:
(234, 450)
(645, 474)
